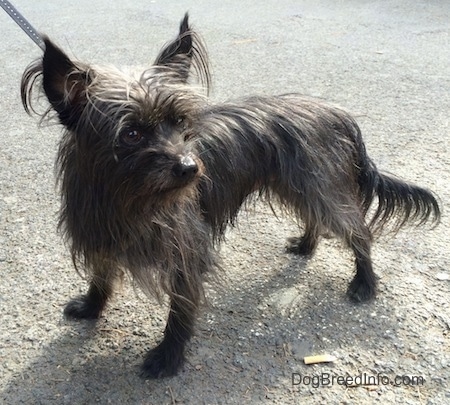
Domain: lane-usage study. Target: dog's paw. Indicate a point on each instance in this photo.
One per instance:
(300, 246)
(82, 308)
(162, 361)
(361, 291)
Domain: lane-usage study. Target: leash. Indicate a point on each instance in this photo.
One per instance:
(23, 23)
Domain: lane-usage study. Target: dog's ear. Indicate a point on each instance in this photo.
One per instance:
(64, 84)
(178, 54)
(184, 52)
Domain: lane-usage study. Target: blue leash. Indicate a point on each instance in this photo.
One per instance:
(23, 23)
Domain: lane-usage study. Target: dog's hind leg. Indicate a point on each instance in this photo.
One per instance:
(348, 223)
(165, 359)
(91, 304)
(364, 283)
(304, 245)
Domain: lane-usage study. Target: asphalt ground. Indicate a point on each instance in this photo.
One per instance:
(387, 62)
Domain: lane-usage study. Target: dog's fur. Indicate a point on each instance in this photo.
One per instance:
(151, 173)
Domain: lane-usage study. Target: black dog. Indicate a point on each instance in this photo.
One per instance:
(151, 174)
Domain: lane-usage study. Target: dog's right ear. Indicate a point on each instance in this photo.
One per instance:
(64, 83)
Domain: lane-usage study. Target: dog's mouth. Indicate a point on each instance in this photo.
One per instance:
(183, 175)
(158, 183)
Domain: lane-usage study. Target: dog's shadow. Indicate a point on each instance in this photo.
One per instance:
(250, 338)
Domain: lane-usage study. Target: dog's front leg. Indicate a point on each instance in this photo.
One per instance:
(166, 359)
(90, 305)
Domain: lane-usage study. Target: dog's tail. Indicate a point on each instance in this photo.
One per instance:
(399, 202)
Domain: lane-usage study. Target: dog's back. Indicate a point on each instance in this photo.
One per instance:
(310, 157)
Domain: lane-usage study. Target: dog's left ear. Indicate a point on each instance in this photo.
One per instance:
(178, 54)
(186, 51)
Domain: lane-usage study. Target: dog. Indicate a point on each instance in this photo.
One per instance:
(151, 173)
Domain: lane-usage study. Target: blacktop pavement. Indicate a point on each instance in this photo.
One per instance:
(388, 63)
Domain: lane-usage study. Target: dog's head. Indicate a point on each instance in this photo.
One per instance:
(123, 131)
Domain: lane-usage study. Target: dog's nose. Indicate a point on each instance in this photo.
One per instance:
(185, 168)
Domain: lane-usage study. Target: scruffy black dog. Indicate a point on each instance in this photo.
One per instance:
(151, 173)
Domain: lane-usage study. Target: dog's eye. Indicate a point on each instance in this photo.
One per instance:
(132, 136)
(179, 121)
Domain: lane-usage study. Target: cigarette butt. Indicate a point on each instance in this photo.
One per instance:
(321, 358)
(244, 41)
